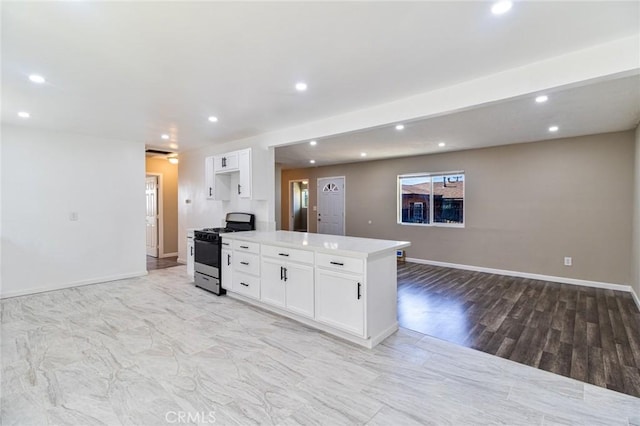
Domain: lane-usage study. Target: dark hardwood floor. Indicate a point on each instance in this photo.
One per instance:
(588, 334)
(161, 263)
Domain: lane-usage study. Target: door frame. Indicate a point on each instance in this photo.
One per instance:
(292, 221)
(344, 201)
(160, 207)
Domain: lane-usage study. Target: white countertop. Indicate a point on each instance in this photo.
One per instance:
(335, 244)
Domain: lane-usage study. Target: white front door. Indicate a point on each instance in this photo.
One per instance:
(331, 205)
(152, 215)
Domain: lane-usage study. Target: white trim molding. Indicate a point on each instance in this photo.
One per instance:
(635, 298)
(80, 283)
(563, 280)
(168, 254)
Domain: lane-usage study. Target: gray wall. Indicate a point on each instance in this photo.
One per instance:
(527, 206)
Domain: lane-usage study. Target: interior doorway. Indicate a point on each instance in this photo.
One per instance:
(152, 215)
(299, 205)
(331, 198)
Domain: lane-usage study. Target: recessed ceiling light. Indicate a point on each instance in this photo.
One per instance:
(553, 128)
(542, 98)
(312, 161)
(399, 126)
(35, 78)
(213, 119)
(301, 86)
(363, 154)
(164, 136)
(24, 114)
(174, 160)
(313, 143)
(501, 7)
(441, 144)
(173, 145)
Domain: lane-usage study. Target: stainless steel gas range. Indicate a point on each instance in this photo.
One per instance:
(208, 244)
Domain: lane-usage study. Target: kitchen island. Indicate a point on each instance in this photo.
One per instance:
(346, 286)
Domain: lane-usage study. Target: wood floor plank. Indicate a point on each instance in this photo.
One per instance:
(589, 334)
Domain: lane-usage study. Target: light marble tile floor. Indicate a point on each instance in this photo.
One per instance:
(157, 350)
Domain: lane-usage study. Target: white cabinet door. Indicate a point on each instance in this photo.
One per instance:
(339, 300)
(244, 164)
(226, 163)
(272, 283)
(190, 256)
(226, 269)
(209, 178)
(299, 289)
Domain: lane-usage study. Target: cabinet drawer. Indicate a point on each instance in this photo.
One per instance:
(227, 243)
(246, 262)
(340, 263)
(246, 246)
(246, 284)
(288, 254)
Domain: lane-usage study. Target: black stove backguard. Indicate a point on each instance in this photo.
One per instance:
(241, 221)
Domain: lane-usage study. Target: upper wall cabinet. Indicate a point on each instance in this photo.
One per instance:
(234, 174)
(226, 163)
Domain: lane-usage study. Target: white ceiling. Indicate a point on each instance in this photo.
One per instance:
(135, 70)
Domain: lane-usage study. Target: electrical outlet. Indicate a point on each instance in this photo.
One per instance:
(568, 261)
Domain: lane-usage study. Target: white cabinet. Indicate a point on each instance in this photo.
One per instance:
(339, 300)
(299, 289)
(226, 268)
(209, 178)
(216, 188)
(226, 163)
(244, 182)
(350, 292)
(247, 171)
(273, 285)
(190, 254)
(287, 285)
(245, 267)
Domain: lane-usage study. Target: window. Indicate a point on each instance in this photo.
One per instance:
(431, 199)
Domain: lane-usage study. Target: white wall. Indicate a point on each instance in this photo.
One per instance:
(635, 252)
(44, 177)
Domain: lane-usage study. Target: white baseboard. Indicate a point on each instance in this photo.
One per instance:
(73, 284)
(635, 298)
(181, 260)
(168, 255)
(563, 280)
